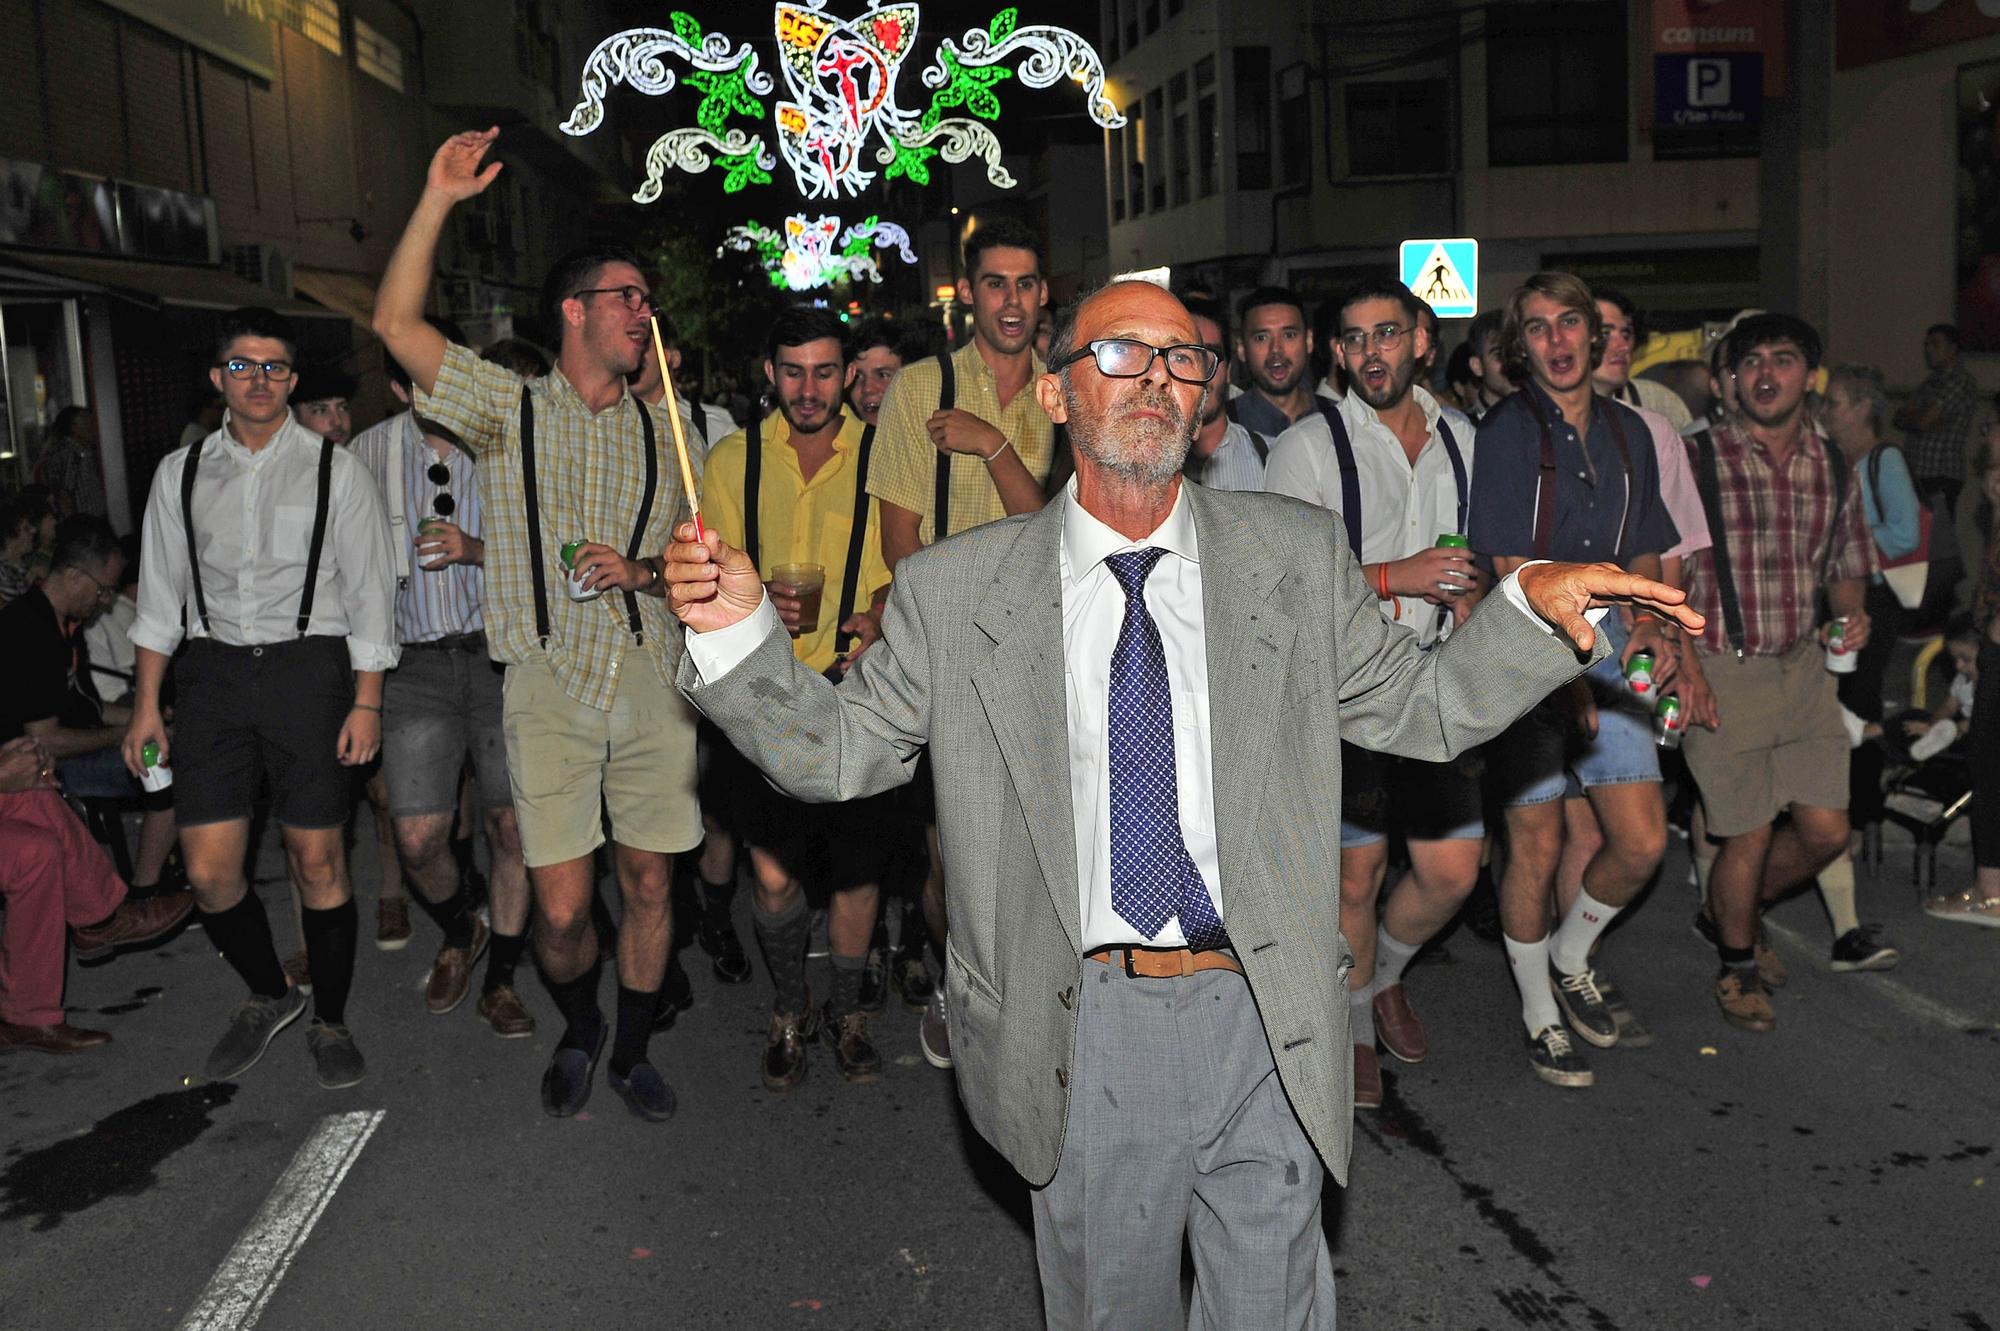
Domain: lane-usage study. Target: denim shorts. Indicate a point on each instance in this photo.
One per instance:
(1544, 757)
(1381, 792)
(442, 707)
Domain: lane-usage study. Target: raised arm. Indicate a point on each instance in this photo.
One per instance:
(455, 174)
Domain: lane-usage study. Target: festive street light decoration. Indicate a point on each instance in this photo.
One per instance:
(841, 76)
(805, 254)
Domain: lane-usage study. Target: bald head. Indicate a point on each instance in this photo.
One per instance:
(1108, 311)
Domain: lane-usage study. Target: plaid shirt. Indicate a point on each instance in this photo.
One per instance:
(590, 475)
(1940, 454)
(902, 470)
(1777, 521)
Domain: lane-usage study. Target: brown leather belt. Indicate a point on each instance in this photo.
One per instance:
(1162, 963)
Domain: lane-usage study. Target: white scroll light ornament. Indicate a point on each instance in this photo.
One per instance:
(805, 254)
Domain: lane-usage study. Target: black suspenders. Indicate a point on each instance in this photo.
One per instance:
(1350, 471)
(753, 487)
(531, 494)
(947, 399)
(753, 491)
(321, 504)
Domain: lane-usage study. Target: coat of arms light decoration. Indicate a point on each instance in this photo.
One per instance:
(840, 83)
(813, 252)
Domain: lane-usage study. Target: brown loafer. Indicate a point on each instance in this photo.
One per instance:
(133, 922)
(392, 924)
(785, 1049)
(1367, 1078)
(451, 973)
(503, 1010)
(61, 1038)
(1397, 1026)
(1744, 1001)
(854, 1054)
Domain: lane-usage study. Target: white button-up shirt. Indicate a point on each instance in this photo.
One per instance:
(253, 517)
(1404, 507)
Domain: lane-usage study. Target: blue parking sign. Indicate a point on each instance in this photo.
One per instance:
(1444, 273)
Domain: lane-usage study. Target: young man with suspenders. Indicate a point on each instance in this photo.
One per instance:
(963, 442)
(591, 717)
(1396, 467)
(267, 552)
(792, 489)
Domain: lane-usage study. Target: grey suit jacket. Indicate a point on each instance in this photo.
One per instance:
(971, 662)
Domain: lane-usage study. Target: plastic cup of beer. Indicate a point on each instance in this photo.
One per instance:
(805, 582)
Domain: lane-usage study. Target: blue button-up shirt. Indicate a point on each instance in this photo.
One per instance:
(1593, 492)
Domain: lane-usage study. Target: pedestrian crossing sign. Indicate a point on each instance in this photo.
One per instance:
(1444, 273)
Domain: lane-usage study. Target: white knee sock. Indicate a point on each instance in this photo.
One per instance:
(1392, 958)
(1531, 976)
(1361, 1015)
(1581, 924)
(1836, 889)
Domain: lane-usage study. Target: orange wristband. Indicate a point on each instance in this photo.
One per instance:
(1382, 580)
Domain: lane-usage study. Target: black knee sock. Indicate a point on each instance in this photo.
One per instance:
(783, 938)
(330, 936)
(243, 935)
(501, 958)
(636, 1010)
(716, 898)
(577, 1001)
(846, 995)
(453, 915)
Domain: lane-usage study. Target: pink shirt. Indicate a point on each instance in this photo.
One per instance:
(1677, 487)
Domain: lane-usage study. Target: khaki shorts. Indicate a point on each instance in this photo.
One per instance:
(1781, 741)
(569, 763)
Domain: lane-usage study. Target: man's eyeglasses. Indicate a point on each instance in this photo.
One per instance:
(1128, 358)
(277, 371)
(1386, 336)
(106, 593)
(442, 503)
(633, 298)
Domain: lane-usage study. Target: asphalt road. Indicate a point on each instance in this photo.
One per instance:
(1839, 1173)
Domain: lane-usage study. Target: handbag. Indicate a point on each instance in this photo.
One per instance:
(1906, 575)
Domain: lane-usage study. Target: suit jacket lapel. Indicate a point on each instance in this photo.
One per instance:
(1249, 646)
(1025, 692)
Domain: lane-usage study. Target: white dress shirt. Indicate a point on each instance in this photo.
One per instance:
(1404, 507)
(253, 515)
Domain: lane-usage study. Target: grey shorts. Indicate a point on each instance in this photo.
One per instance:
(441, 706)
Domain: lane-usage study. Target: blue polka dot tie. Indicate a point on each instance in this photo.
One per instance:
(1153, 878)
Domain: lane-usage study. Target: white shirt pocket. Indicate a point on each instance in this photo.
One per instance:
(291, 532)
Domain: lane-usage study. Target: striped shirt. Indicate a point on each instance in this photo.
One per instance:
(1236, 464)
(430, 603)
(1777, 520)
(591, 476)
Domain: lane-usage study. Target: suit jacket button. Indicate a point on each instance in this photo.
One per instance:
(1062, 1078)
(1063, 996)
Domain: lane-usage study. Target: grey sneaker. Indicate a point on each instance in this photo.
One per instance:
(1632, 1033)
(934, 1031)
(1555, 1059)
(251, 1027)
(1582, 1002)
(336, 1062)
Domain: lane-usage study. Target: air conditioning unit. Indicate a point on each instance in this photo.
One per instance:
(266, 265)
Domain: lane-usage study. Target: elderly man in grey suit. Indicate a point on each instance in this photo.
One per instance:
(1134, 701)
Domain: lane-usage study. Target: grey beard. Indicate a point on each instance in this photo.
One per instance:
(1128, 462)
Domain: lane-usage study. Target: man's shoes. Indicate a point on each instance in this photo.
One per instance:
(1859, 950)
(785, 1048)
(934, 1031)
(336, 1062)
(1583, 1006)
(1397, 1026)
(451, 973)
(566, 1083)
(1743, 1000)
(912, 980)
(1632, 1033)
(1555, 1060)
(61, 1038)
(874, 982)
(298, 969)
(717, 936)
(133, 922)
(645, 1092)
(503, 1010)
(251, 1027)
(854, 1054)
(392, 924)
(1771, 968)
(1964, 908)
(676, 994)
(1367, 1078)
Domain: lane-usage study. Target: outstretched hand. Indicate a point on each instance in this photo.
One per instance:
(710, 584)
(455, 171)
(1560, 593)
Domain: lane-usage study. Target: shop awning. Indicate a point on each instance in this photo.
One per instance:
(150, 283)
(351, 295)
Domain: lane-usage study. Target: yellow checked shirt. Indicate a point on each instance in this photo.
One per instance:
(903, 470)
(591, 477)
(801, 521)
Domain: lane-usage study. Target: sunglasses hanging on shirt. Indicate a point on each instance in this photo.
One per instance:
(442, 503)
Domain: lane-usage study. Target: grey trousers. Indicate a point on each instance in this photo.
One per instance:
(1178, 1128)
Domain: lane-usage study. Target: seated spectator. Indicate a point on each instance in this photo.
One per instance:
(42, 695)
(107, 638)
(1981, 904)
(54, 879)
(27, 524)
(1920, 736)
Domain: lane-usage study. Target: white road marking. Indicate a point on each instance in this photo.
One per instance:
(1904, 997)
(247, 1278)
